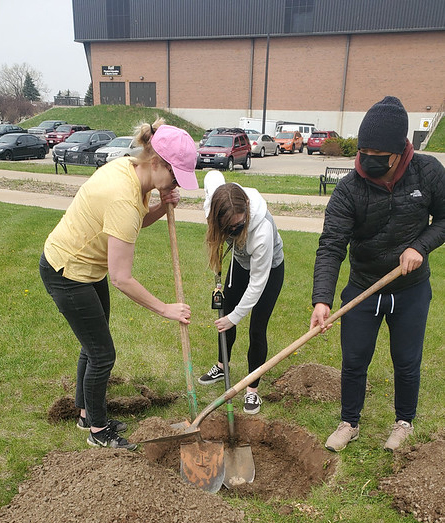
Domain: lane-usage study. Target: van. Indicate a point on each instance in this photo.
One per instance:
(306, 129)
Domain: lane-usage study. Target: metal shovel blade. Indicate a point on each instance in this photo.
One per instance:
(239, 466)
(202, 464)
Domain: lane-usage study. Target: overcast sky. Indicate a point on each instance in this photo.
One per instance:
(41, 34)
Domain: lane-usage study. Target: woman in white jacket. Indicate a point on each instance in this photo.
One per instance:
(239, 217)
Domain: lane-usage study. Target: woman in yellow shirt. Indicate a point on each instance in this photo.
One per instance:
(96, 236)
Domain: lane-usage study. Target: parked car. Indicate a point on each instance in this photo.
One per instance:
(251, 131)
(216, 130)
(46, 127)
(19, 146)
(7, 128)
(290, 141)
(62, 132)
(225, 150)
(317, 139)
(120, 146)
(263, 144)
(83, 141)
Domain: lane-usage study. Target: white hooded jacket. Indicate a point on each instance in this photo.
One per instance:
(263, 249)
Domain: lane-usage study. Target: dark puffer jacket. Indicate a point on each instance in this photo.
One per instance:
(379, 225)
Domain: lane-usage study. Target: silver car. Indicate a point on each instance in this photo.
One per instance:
(120, 146)
(263, 144)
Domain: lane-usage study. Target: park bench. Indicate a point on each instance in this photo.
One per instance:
(74, 158)
(332, 176)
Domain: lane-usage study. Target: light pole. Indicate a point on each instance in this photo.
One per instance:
(263, 130)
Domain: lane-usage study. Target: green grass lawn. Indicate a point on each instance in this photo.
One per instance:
(291, 184)
(121, 119)
(437, 140)
(38, 355)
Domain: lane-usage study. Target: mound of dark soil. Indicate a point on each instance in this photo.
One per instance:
(110, 486)
(64, 408)
(318, 382)
(418, 486)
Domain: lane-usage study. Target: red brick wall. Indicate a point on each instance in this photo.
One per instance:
(305, 73)
(408, 65)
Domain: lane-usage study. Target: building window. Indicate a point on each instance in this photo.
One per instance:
(299, 16)
(118, 19)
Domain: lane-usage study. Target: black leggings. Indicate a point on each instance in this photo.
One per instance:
(86, 307)
(260, 314)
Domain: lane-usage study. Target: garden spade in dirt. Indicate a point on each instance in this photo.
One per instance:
(238, 460)
(194, 472)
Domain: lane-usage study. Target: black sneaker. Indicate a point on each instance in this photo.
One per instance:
(214, 375)
(109, 438)
(116, 425)
(252, 403)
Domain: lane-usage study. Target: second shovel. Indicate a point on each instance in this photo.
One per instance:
(238, 460)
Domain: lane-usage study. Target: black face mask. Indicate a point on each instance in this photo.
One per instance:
(237, 230)
(375, 166)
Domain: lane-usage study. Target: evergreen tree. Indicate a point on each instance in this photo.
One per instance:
(88, 99)
(30, 91)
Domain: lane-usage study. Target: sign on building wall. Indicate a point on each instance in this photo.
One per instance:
(111, 70)
(425, 124)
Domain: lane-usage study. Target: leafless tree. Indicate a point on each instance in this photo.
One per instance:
(12, 79)
(14, 109)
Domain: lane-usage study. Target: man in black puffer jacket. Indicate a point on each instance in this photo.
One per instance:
(390, 210)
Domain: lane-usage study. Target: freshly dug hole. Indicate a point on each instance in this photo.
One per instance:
(289, 461)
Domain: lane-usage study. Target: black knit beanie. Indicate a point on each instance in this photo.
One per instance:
(384, 127)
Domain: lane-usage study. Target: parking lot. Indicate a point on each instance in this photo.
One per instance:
(287, 164)
(284, 164)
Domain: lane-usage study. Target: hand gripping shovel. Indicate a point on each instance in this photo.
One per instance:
(194, 430)
(238, 460)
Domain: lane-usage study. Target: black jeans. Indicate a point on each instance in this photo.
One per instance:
(86, 307)
(259, 317)
(406, 313)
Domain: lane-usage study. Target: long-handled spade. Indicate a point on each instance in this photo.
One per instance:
(238, 460)
(194, 471)
(185, 340)
(209, 463)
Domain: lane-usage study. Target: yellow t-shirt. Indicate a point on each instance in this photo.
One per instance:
(108, 204)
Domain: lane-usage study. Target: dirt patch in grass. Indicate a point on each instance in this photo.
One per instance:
(288, 460)
(318, 382)
(117, 486)
(64, 408)
(418, 485)
(112, 486)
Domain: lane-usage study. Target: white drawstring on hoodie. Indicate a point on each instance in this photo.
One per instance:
(231, 267)
(377, 309)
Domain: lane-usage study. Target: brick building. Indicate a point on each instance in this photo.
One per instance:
(214, 61)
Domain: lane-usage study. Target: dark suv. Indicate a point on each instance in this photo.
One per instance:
(62, 132)
(225, 149)
(82, 141)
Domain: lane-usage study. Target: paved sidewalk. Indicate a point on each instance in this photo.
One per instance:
(285, 223)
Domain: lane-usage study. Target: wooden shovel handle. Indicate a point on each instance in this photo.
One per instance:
(185, 340)
(233, 391)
